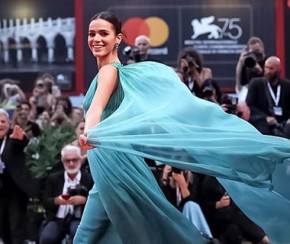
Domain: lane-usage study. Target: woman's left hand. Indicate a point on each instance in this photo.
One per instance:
(83, 142)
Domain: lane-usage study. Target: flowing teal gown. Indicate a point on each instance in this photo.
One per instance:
(152, 114)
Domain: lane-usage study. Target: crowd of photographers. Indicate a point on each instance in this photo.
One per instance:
(62, 192)
(262, 98)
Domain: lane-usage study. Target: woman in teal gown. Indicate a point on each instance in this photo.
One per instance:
(143, 110)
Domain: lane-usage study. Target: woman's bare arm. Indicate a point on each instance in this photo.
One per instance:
(107, 84)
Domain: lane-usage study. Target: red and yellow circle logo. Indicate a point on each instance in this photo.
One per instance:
(153, 27)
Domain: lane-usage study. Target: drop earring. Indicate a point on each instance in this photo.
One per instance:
(117, 45)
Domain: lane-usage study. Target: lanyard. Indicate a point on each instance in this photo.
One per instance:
(2, 146)
(277, 97)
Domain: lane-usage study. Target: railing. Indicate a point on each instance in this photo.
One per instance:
(16, 28)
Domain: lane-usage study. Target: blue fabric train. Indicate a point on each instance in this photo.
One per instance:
(152, 114)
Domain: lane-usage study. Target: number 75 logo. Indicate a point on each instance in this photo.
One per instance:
(205, 25)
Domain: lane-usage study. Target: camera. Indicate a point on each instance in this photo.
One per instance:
(11, 89)
(231, 103)
(77, 190)
(191, 63)
(132, 52)
(207, 91)
(176, 170)
(251, 58)
(210, 90)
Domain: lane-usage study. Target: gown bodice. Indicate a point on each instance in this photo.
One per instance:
(114, 101)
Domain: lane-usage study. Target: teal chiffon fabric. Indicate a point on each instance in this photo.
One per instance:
(152, 114)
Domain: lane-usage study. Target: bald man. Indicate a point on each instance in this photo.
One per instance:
(142, 43)
(269, 100)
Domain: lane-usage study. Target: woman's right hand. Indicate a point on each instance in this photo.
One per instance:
(83, 142)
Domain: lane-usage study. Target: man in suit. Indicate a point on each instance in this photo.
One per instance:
(65, 197)
(15, 182)
(269, 100)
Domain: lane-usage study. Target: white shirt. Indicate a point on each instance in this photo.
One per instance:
(63, 210)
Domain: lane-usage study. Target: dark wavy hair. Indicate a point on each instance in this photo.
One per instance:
(193, 53)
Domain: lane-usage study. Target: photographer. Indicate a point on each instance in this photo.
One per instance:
(139, 52)
(227, 222)
(250, 65)
(65, 197)
(210, 91)
(190, 64)
(181, 190)
(42, 98)
(268, 99)
(11, 93)
(62, 112)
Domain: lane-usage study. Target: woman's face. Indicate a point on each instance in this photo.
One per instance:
(102, 38)
(44, 117)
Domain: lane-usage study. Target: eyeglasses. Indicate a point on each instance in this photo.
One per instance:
(68, 160)
(40, 85)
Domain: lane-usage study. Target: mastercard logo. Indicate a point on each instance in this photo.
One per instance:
(153, 27)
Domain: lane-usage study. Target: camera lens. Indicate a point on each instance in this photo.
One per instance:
(250, 62)
(207, 91)
(127, 50)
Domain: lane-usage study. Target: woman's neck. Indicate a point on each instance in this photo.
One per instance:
(102, 61)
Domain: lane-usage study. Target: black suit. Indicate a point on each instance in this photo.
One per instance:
(16, 186)
(55, 228)
(260, 107)
(54, 188)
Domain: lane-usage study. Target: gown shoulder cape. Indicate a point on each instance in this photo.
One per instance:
(158, 118)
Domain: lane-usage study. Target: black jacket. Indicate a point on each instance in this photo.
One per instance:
(16, 173)
(258, 102)
(54, 187)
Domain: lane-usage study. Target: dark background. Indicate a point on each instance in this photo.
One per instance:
(260, 22)
(287, 37)
(257, 18)
(36, 8)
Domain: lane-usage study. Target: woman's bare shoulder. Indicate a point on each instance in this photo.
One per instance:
(107, 72)
(108, 68)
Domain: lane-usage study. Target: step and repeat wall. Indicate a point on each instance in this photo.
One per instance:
(39, 36)
(217, 30)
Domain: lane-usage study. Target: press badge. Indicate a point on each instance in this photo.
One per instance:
(2, 166)
(278, 111)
